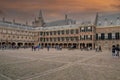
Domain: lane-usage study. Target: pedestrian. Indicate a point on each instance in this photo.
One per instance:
(113, 50)
(48, 47)
(32, 48)
(100, 49)
(117, 49)
(39, 47)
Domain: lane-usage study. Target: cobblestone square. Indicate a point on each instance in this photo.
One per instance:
(25, 64)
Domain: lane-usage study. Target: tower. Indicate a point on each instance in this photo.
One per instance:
(66, 19)
(39, 22)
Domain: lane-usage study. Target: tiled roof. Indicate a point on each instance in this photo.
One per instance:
(15, 25)
(108, 20)
(60, 23)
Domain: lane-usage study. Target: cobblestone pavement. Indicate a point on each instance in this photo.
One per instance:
(24, 64)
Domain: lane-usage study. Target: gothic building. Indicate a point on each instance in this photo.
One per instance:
(104, 32)
(39, 22)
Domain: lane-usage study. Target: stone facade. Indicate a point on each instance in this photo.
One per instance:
(78, 35)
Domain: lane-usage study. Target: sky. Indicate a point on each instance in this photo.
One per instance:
(79, 10)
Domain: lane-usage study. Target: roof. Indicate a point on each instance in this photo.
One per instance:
(60, 23)
(108, 20)
(15, 25)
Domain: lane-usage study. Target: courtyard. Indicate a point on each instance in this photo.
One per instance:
(25, 64)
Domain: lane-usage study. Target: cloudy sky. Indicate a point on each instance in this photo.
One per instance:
(27, 10)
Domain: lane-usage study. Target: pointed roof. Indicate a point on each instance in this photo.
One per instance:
(40, 13)
(96, 18)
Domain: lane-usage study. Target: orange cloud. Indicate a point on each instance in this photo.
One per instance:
(54, 8)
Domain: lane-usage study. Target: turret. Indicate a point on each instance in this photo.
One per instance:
(96, 18)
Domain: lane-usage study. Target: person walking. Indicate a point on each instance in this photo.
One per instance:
(48, 47)
(100, 49)
(32, 48)
(113, 50)
(117, 49)
(39, 47)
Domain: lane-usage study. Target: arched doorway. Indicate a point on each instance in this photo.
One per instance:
(9, 44)
(60, 44)
(42, 45)
(29, 45)
(32, 44)
(26, 44)
(45, 44)
(82, 45)
(65, 45)
(69, 45)
(53, 45)
(3, 43)
(13, 44)
(75, 45)
(89, 45)
(20, 44)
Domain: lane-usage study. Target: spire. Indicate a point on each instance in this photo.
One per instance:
(96, 18)
(40, 14)
(66, 17)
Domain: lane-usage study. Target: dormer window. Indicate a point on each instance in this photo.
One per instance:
(118, 21)
(111, 22)
(118, 17)
(105, 23)
(99, 23)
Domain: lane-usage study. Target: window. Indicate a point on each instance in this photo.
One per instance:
(76, 31)
(72, 31)
(62, 32)
(54, 39)
(46, 39)
(41, 33)
(102, 36)
(47, 33)
(62, 38)
(54, 32)
(50, 33)
(90, 37)
(50, 39)
(109, 36)
(67, 31)
(89, 29)
(96, 36)
(82, 29)
(117, 36)
(41, 39)
(58, 32)
(58, 38)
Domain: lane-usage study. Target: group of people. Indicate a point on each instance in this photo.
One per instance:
(57, 47)
(115, 50)
(36, 47)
